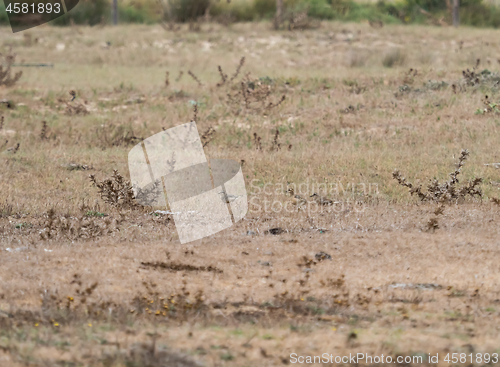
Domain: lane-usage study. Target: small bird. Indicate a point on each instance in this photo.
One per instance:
(14, 149)
(228, 198)
(321, 200)
(297, 200)
(72, 93)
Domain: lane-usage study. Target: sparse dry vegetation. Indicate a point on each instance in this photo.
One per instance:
(6, 62)
(448, 191)
(89, 277)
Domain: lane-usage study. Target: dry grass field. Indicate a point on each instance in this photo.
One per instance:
(86, 282)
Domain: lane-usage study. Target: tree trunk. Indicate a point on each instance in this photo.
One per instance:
(279, 14)
(115, 12)
(456, 17)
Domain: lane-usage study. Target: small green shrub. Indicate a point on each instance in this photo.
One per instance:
(132, 14)
(321, 9)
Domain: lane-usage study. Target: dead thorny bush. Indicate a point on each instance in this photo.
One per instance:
(249, 94)
(6, 79)
(253, 95)
(119, 192)
(471, 76)
(474, 77)
(57, 226)
(116, 191)
(448, 191)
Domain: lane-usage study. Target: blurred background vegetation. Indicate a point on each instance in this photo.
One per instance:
(479, 13)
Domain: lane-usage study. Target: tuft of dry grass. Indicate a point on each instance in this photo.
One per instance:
(393, 57)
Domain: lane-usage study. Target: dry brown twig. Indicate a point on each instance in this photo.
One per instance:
(275, 145)
(179, 76)
(167, 81)
(43, 133)
(207, 136)
(272, 105)
(257, 141)
(195, 78)
(222, 76)
(195, 113)
(238, 69)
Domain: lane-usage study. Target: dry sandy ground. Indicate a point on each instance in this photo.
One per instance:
(120, 290)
